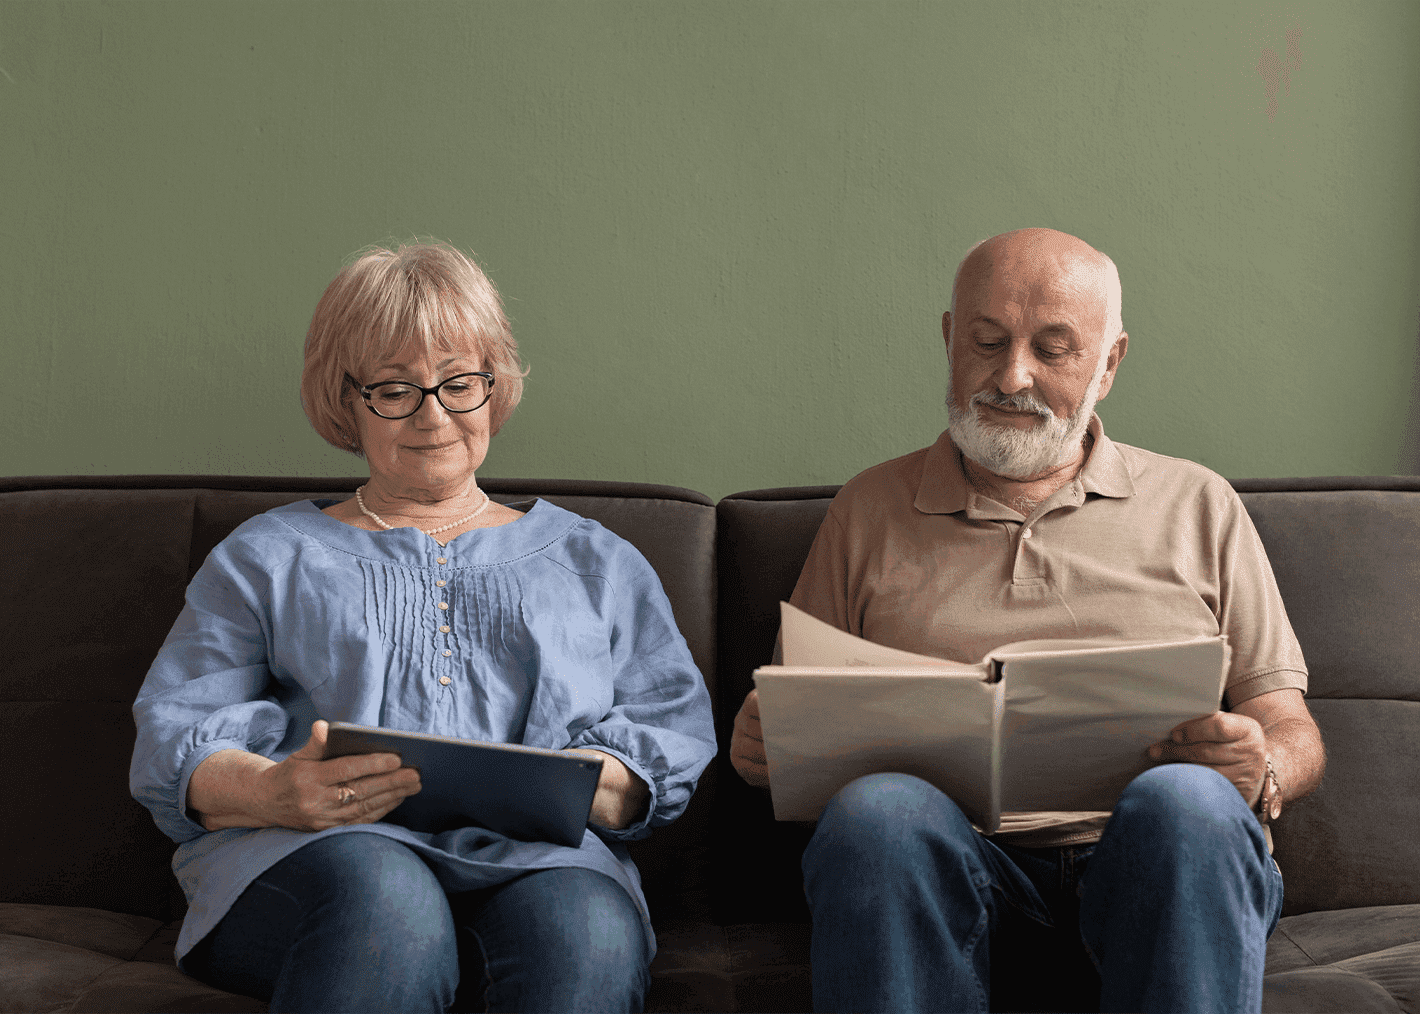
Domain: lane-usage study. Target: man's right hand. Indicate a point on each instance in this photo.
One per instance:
(747, 744)
(305, 792)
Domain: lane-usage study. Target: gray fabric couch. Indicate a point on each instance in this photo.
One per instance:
(94, 571)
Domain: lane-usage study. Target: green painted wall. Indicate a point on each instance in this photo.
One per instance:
(726, 231)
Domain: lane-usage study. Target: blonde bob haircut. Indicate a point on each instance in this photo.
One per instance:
(423, 297)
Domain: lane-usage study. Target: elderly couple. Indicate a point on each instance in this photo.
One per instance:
(419, 604)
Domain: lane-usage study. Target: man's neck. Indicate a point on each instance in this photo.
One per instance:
(1024, 495)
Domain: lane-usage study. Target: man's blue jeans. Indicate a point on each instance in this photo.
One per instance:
(357, 922)
(913, 910)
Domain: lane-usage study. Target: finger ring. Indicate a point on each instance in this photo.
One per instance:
(346, 795)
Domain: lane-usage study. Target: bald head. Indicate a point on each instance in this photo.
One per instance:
(1050, 257)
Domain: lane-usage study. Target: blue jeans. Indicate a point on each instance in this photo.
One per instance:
(358, 922)
(913, 910)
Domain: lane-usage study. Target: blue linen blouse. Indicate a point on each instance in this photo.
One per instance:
(549, 631)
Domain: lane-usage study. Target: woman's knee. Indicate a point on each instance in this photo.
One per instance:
(567, 938)
(372, 880)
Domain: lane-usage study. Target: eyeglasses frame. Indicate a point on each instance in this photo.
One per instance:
(367, 389)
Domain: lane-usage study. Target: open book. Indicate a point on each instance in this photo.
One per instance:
(1036, 725)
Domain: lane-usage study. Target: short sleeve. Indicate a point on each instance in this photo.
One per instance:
(822, 588)
(1264, 648)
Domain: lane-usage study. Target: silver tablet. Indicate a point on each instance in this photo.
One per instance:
(523, 792)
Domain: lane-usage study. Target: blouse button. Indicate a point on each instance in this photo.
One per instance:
(447, 652)
(440, 583)
(442, 560)
(445, 680)
(444, 629)
(443, 605)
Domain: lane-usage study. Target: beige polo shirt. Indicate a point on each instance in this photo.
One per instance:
(1138, 547)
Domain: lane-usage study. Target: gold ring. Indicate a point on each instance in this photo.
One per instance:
(346, 795)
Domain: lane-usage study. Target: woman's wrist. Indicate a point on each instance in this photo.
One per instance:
(225, 790)
(621, 798)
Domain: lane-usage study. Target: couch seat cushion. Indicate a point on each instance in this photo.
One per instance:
(1347, 961)
(750, 967)
(64, 958)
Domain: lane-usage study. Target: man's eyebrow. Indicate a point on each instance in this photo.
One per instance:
(1048, 329)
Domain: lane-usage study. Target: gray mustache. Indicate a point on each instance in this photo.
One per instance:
(1023, 402)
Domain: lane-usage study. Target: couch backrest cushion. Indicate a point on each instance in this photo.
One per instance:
(96, 570)
(1348, 565)
(762, 540)
(1347, 557)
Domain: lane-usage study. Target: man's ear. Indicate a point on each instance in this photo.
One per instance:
(947, 330)
(1121, 346)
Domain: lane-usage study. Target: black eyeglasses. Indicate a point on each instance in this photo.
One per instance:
(397, 399)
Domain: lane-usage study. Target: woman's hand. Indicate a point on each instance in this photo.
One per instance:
(621, 798)
(305, 792)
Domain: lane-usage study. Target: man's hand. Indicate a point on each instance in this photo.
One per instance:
(1229, 743)
(305, 792)
(747, 744)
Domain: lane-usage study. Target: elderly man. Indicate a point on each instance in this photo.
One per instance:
(1025, 521)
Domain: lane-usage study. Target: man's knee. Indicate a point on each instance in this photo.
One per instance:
(1180, 797)
(891, 805)
(879, 827)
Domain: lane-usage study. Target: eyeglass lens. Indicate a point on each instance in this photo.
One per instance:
(458, 394)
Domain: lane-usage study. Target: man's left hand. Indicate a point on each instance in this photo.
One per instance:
(1229, 743)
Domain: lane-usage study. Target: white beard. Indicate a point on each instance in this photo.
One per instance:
(1021, 454)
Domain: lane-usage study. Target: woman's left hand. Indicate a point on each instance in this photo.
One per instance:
(621, 797)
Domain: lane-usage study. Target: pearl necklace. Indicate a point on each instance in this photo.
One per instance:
(360, 501)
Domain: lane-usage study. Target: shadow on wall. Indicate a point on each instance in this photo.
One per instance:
(1409, 463)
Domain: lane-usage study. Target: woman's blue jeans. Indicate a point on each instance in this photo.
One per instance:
(358, 922)
(914, 910)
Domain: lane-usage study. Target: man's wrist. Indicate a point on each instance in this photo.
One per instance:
(1269, 801)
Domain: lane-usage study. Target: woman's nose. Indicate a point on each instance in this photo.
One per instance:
(431, 414)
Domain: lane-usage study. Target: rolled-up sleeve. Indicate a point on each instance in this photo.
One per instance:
(660, 722)
(209, 689)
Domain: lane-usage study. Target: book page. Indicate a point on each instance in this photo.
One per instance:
(808, 641)
(825, 727)
(1077, 725)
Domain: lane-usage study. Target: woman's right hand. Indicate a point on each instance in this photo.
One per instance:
(304, 792)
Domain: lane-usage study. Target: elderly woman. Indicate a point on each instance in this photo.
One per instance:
(421, 605)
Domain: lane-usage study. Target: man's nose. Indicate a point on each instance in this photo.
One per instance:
(1014, 374)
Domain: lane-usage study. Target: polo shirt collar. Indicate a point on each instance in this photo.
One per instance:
(945, 490)
(1105, 472)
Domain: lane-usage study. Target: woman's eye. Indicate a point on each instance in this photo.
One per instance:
(459, 388)
(393, 393)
